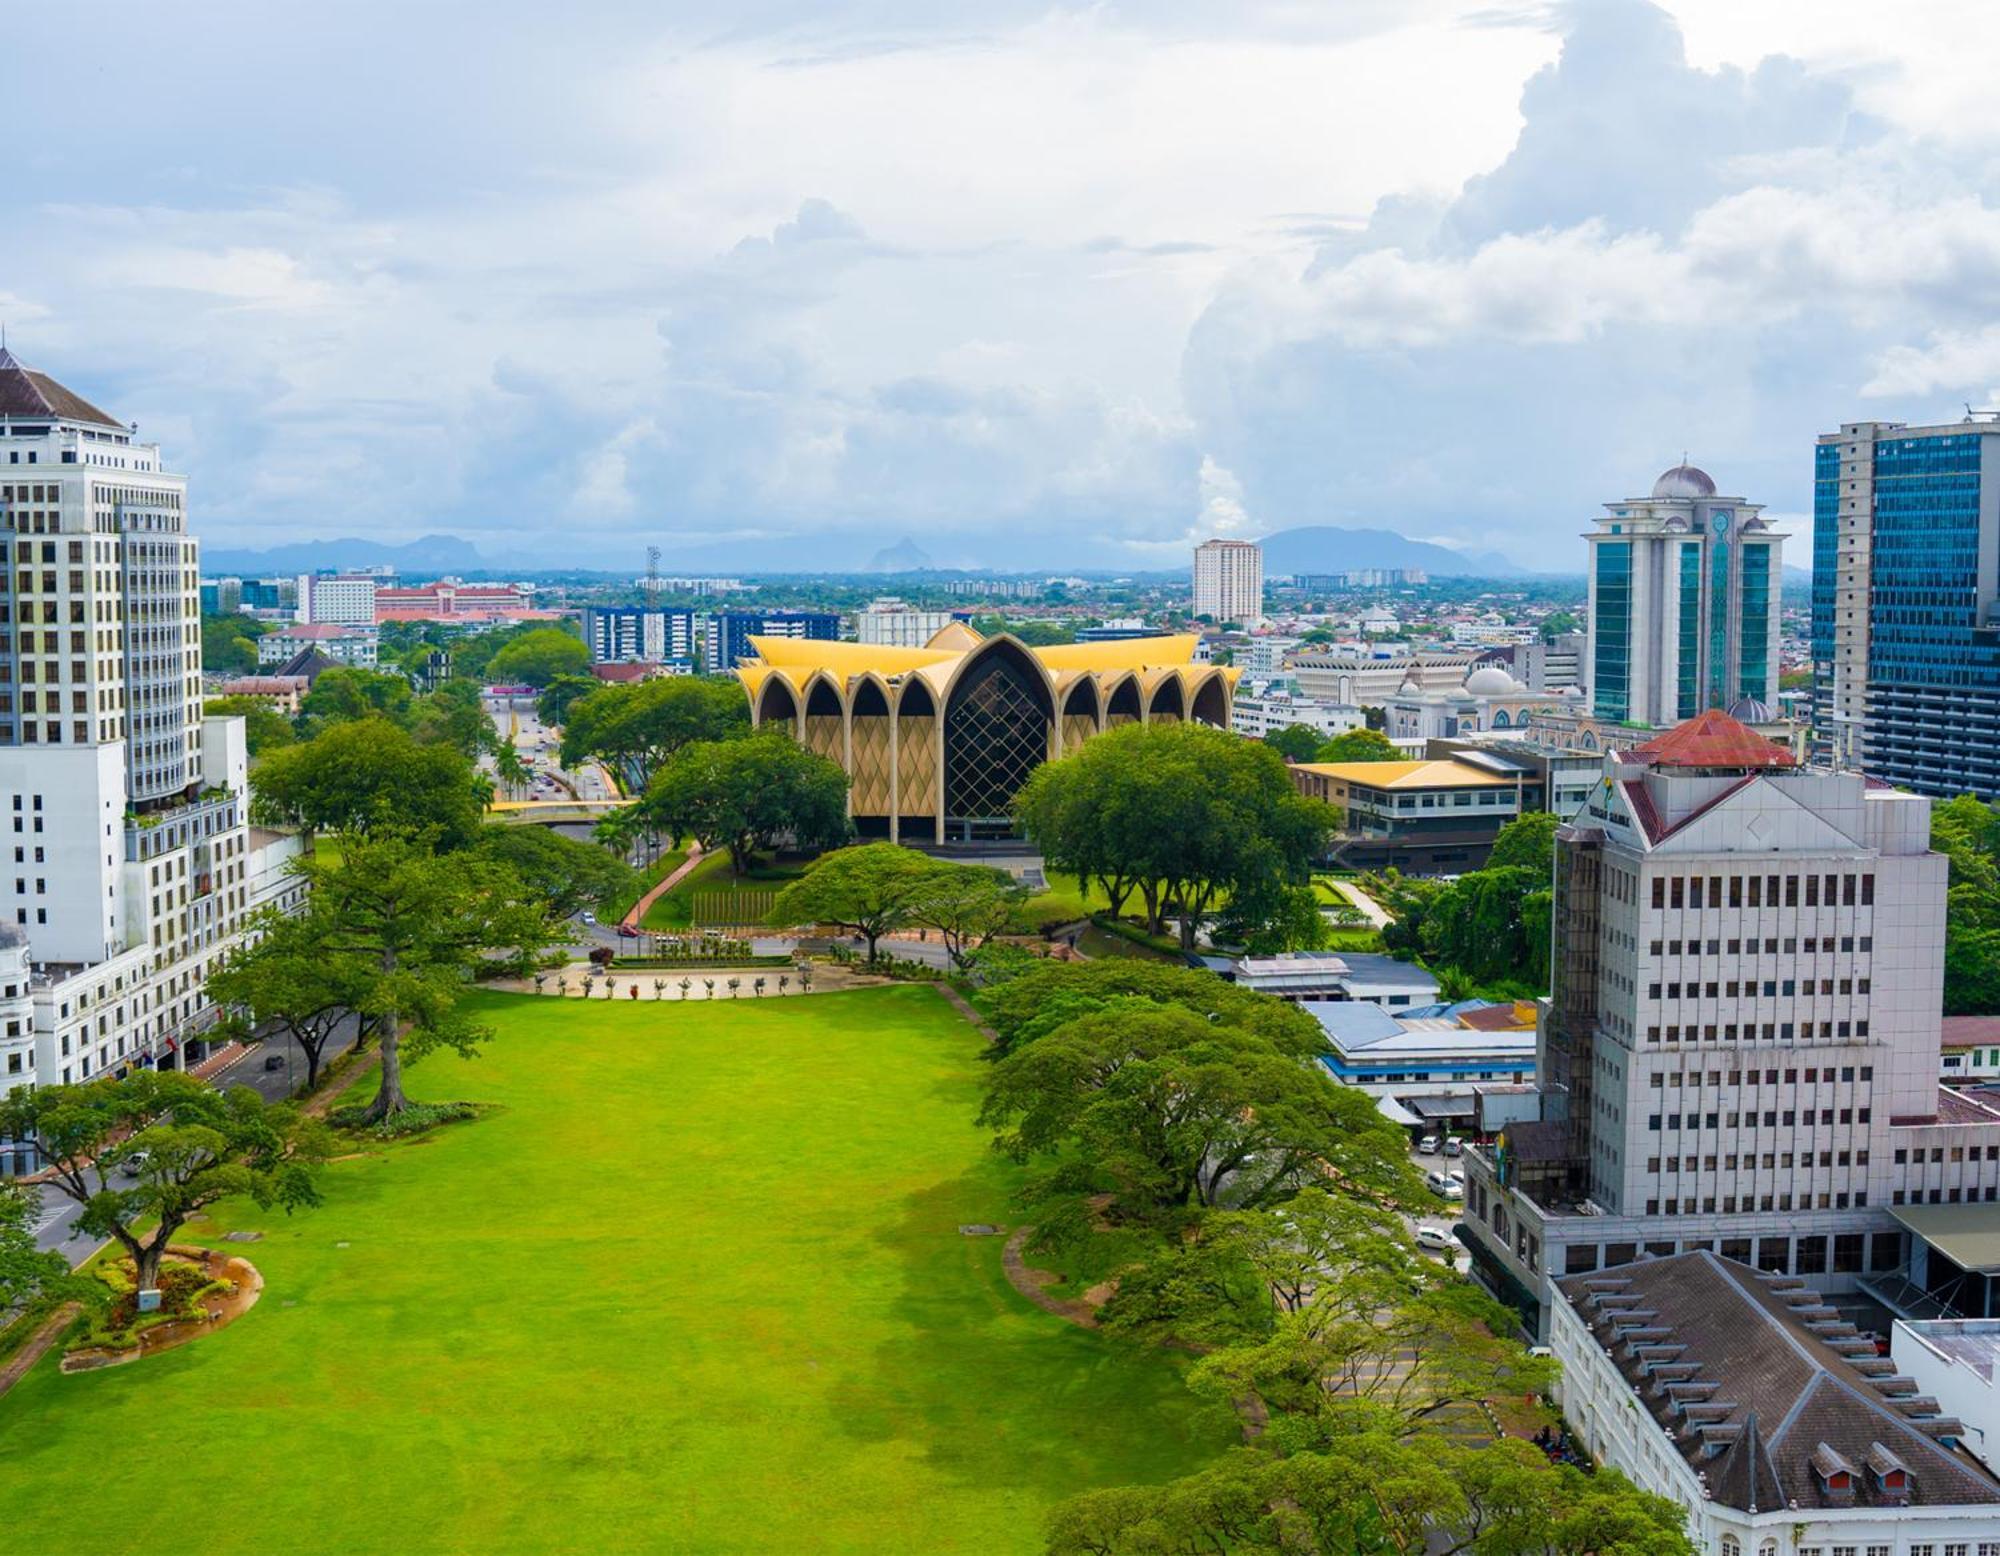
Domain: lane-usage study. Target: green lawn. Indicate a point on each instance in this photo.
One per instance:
(696, 1284)
(715, 875)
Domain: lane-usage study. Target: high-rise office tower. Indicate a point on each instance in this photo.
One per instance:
(645, 634)
(132, 864)
(1906, 603)
(1229, 580)
(1740, 1047)
(1683, 604)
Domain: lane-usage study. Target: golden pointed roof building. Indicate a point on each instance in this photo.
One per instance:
(936, 741)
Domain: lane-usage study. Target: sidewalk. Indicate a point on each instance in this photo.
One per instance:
(1372, 910)
(680, 873)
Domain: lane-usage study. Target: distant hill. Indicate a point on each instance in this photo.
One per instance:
(431, 554)
(906, 556)
(1321, 548)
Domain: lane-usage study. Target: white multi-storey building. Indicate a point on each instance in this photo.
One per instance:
(1740, 1050)
(1683, 603)
(359, 646)
(1264, 709)
(122, 803)
(343, 599)
(1229, 580)
(896, 624)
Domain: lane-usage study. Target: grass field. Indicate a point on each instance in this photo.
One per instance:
(711, 883)
(696, 1284)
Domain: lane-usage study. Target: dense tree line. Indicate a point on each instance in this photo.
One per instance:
(1489, 928)
(1967, 833)
(1182, 1147)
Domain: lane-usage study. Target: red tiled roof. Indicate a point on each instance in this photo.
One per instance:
(1713, 739)
(25, 392)
(1968, 1031)
(624, 670)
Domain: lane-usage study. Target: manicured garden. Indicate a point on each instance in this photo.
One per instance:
(693, 1280)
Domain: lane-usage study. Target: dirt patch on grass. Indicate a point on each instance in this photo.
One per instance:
(1033, 1283)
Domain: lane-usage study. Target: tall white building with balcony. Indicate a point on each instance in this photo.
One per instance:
(1740, 1050)
(338, 599)
(121, 804)
(1229, 580)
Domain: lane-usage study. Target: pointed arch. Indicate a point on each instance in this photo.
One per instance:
(870, 749)
(1209, 703)
(777, 703)
(1082, 712)
(999, 725)
(823, 728)
(1167, 702)
(1121, 699)
(916, 759)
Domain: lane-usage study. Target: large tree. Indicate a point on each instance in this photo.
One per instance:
(639, 727)
(967, 904)
(347, 692)
(264, 727)
(1296, 742)
(1360, 745)
(229, 643)
(567, 874)
(537, 657)
(422, 922)
(1967, 832)
(744, 795)
(872, 889)
(1528, 842)
(144, 1153)
(1185, 812)
(368, 776)
(553, 705)
(288, 975)
(29, 1274)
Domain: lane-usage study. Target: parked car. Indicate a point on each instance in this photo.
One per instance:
(1427, 1146)
(1445, 1184)
(135, 1164)
(1436, 1238)
(1453, 1146)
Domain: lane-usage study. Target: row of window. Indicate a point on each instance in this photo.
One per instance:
(1811, 1075)
(1773, 1118)
(1763, 891)
(1789, 945)
(1768, 1161)
(1747, 988)
(1749, 1031)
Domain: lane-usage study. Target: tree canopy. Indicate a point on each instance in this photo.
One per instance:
(229, 643)
(744, 795)
(1360, 745)
(568, 874)
(872, 889)
(1296, 742)
(1967, 832)
(264, 727)
(291, 975)
(370, 775)
(181, 1144)
(345, 692)
(1528, 842)
(1181, 813)
(537, 657)
(639, 727)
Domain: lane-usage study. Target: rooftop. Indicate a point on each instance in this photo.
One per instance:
(1448, 773)
(25, 392)
(1968, 1031)
(1767, 1391)
(1712, 740)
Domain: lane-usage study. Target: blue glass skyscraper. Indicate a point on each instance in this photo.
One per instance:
(1905, 628)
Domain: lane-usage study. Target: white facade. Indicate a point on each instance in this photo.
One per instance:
(1264, 656)
(893, 624)
(122, 804)
(1265, 711)
(345, 600)
(347, 645)
(1741, 1050)
(1359, 675)
(1229, 580)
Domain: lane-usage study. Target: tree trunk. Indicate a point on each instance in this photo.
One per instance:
(146, 1262)
(871, 944)
(312, 1064)
(390, 1099)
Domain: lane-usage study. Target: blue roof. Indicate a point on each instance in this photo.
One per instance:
(1373, 967)
(1353, 1023)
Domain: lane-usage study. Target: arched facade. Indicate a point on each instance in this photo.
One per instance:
(936, 742)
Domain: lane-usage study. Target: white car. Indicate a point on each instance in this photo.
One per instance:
(1435, 1238)
(1447, 1184)
(1453, 1146)
(588, 918)
(1427, 1146)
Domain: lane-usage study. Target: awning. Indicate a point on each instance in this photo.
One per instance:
(1968, 1235)
(1439, 1107)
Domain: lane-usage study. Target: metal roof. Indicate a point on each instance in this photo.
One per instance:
(1968, 1235)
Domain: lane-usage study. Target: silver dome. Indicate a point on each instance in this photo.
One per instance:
(1751, 710)
(1684, 481)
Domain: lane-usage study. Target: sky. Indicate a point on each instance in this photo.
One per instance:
(774, 283)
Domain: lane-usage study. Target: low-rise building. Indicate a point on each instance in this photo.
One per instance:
(1426, 1051)
(1265, 710)
(346, 645)
(1367, 676)
(1326, 975)
(282, 692)
(450, 599)
(1746, 1398)
(1969, 1048)
(1423, 817)
(1956, 1361)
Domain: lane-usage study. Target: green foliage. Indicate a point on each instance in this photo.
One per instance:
(1556, 623)
(871, 889)
(1035, 634)
(1296, 742)
(229, 643)
(1360, 745)
(1182, 814)
(966, 904)
(1037, 999)
(346, 692)
(744, 795)
(29, 1277)
(370, 776)
(264, 727)
(416, 1119)
(537, 657)
(639, 727)
(569, 875)
(553, 705)
(288, 974)
(1528, 842)
(194, 1145)
(1967, 832)
(1490, 929)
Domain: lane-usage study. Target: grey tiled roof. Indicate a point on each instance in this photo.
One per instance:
(1762, 1386)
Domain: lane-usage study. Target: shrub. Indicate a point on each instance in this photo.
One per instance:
(413, 1120)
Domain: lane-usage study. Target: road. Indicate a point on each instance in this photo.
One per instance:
(537, 745)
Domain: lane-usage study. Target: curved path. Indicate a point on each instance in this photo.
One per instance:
(1030, 1281)
(667, 883)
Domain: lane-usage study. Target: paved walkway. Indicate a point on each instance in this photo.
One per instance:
(37, 1345)
(667, 883)
(1371, 910)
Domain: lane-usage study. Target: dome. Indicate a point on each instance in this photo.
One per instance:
(1491, 681)
(1684, 481)
(1751, 710)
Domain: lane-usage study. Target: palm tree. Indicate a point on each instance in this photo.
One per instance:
(589, 983)
(659, 988)
(610, 987)
(806, 979)
(709, 985)
(540, 979)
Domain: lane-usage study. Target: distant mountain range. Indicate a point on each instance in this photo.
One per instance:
(906, 556)
(431, 554)
(1321, 548)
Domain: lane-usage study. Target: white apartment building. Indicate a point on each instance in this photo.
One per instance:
(343, 599)
(1266, 709)
(346, 645)
(895, 624)
(122, 804)
(1229, 580)
(1740, 1050)
(1754, 1404)
(1360, 675)
(1265, 656)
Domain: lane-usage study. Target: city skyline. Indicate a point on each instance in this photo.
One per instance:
(703, 296)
